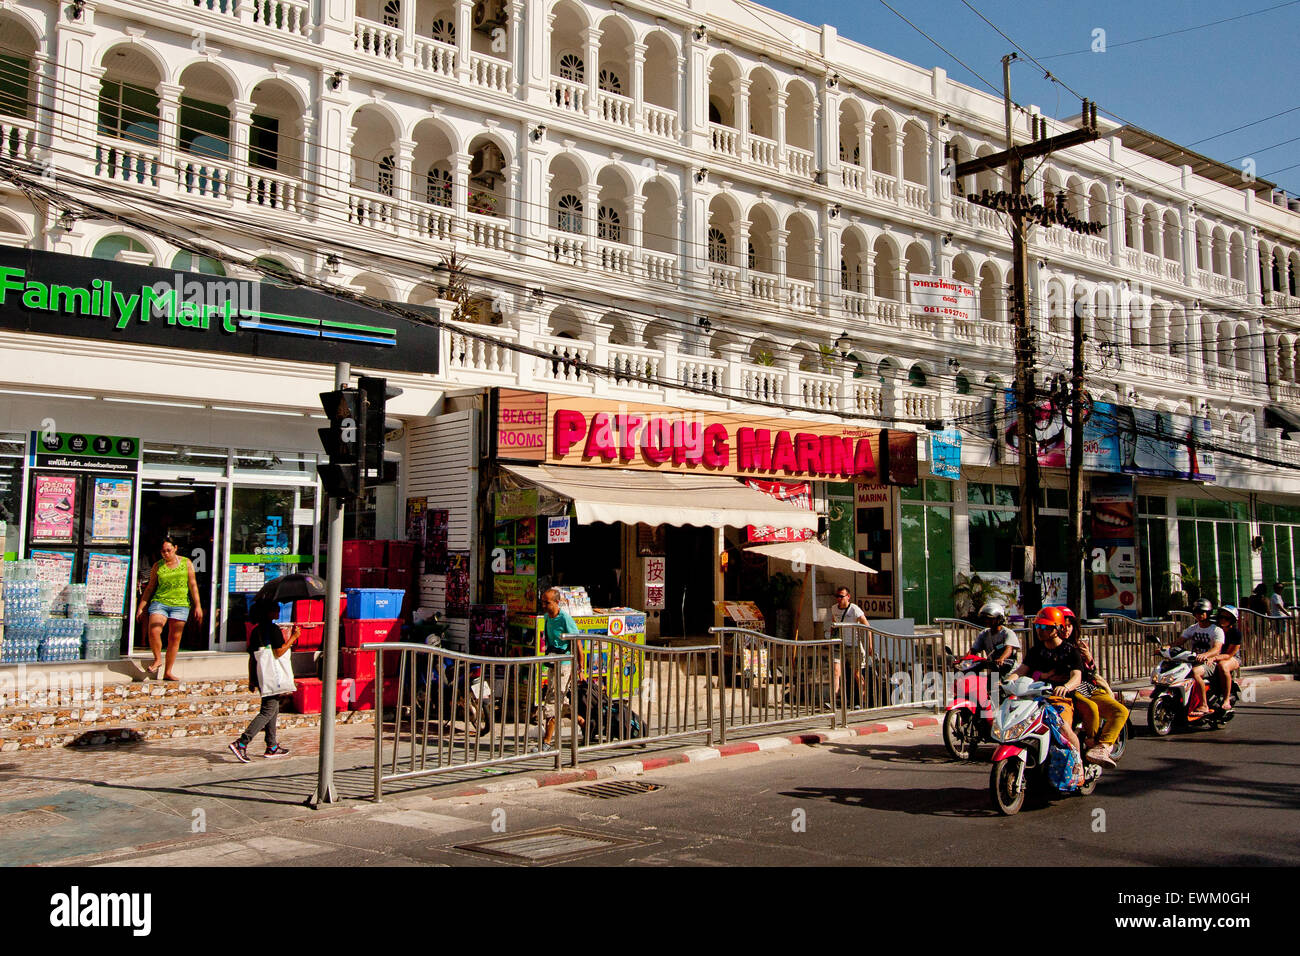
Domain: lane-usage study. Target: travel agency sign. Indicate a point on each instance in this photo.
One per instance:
(565, 430)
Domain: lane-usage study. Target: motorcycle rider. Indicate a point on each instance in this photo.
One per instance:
(1226, 661)
(1095, 700)
(1206, 642)
(997, 642)
(1052, 659)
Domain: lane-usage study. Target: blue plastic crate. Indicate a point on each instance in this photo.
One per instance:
(374, 604)
(286, 614)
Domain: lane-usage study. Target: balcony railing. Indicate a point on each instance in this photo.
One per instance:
(479, 352)
(818, 391)
(568, 96)
(288, 16)
(661, 122)
(659, 267)
(916, 196)
(725, 140)
(567, 248)
(435, 57)
(384, 43)
(800, 162)
(802, 295)
(270, 191)
(374, 210)
(616, 257)
(17, 139)
(853, 178)
(634, 368)
(706, 373)
(762, 150)
(724, 278)
(764, 286)
(489, 72)
(560, 365)
(202, 178)
(615, 109)
(126, 162)
(884, 188)
(762, 383)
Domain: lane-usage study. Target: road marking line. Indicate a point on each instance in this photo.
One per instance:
(254, 852)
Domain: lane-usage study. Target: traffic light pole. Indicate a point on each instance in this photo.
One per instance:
(325, 792)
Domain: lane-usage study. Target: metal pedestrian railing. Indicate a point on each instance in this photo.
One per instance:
(770, 680)
(644, 694)
(455, 711)
(1266, 639)
(1127, 649)
(890, 670)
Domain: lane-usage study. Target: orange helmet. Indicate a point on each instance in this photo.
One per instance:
(1050, 617)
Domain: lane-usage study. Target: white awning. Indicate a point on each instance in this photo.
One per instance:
(661, 497)
(809, 552)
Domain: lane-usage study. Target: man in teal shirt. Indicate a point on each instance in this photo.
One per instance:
(557, 624)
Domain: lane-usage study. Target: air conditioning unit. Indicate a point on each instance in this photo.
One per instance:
(489, 14)
(487, 167)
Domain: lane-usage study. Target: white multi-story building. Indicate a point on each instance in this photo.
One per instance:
(703, 204)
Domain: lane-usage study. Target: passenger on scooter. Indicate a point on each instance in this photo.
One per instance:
(1226, 661)
(1053, 660)
(1095, 701)
(1206, 642)
(997, 642)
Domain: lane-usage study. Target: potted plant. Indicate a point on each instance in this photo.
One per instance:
(1189, 591)
(972, 592)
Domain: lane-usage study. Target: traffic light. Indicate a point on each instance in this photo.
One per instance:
(380, 465)
(345, 443)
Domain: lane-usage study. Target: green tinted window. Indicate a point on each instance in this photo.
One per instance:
(1006, 495)
(1056, 498)
(1213, 509)
(15, 80)
(1288, 513)
(1186, 507)
(938, 490)
(1265, 511)
(979, 493)
(1053, 543)
(910, 494)
(992, 534)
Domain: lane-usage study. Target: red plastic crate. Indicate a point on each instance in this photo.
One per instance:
(398, 580)
(401, 554)
(307, 698)
(359, 665)
(364, 698)
(363, 554)
(351, 577)
(374, 578)
(356, 633)
(309, 611)
(310, 636)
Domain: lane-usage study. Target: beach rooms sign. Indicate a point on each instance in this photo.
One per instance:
(563, 430)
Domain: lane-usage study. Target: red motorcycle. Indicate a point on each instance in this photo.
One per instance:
(969, 720)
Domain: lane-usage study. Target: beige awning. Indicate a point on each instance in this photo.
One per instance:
(809, 552)
(611, 495)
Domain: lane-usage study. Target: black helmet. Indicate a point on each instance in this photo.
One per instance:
(1203, 606)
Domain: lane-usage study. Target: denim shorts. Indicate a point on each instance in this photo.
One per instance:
(181, 613)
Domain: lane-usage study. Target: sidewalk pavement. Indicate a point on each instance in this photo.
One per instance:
(61, 806)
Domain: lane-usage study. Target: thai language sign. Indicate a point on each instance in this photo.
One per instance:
(936, 295)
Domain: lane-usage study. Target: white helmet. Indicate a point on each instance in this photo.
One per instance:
(994, 610)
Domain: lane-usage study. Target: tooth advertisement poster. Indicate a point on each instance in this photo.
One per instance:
(1113, 556)
(53, 507)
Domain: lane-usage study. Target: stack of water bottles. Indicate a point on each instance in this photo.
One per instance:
(62, 638)
(103, 639)
(24, 614)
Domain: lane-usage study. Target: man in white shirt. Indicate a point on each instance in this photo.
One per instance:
(1206, 640)
(1277, 602)
(844, 611)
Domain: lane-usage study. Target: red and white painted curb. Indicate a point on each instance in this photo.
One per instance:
(619, 768)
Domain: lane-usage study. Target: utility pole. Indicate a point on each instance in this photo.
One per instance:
(1024, 211)
(1074, 579)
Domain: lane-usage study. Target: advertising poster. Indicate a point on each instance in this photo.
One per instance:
(618, 668)
(517, 592)
(417, 514)
(435, 541)
(938, 295)
(945, 454)
(873, 505)
(458, 584)
(487, 630)
(1113, 555)
(53, 568)
(797, 493)
(110, 516)
(106, 580)
(53, 507)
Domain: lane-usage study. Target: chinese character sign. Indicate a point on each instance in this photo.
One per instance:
(656, 571)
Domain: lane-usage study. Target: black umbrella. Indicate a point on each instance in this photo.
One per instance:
(292, 587)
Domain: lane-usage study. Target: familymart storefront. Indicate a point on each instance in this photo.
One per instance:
(138, 403)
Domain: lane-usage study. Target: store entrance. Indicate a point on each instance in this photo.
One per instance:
(188, 515)
(688, 584)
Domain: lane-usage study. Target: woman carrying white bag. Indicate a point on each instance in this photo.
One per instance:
(270, 670)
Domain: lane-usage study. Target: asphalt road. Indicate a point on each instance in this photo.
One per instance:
(890, 801)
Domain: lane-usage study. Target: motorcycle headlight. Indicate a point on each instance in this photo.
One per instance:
(1013, 732)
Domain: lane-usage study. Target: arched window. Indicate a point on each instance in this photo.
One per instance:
(753, 259)
(110, 246)
(572, 68)
(190, 262)
(15, 84)
(385, 181)
(962, 384)
(717, 245)
(274, 271)
(850, 279)
(393, 13)
(609, 225)
(444, 31)
(438, 188)
(854, 157)
(128, 111)
(916, 377)
(568, 213)
(609, 82)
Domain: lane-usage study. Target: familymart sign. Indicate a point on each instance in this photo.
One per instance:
(56, 294)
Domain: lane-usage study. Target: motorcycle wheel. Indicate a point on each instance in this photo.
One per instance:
(1161, 715)
(1090, 777)
(959, 734)
(1121, 742)
(1002, 781)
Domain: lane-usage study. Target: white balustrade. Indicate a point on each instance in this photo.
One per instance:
(287, 16)
(1133, 259)
(965, 408)
(762, 150)
(802, 295)
(799, 162)
(635, 368)
(920, 404)
(884, 188)
(17, 139)
(489, 72)
(1098, 247)
(856, 305)
(867, 398)
(126, 162)
(725, 140)
(661, 122)
(1151, 264)
(615, 109)
(379, 41)
(269, 191)
(1237, 288)
(917, 197)
(202, 178)
(764, 286)
(480, 348)
(889, 312)
(1173, 270)
(488, 232)
(922, 323)
(724, 278)
(372, 209)
(571, 97)
(568, 248)
(964, 330)
(659, 267)
(434, 222)
(819, 392)
(853, 178)
(229, 8)
(706, 373)
(561, 361)
(435, 57)
(616, 257)
(762, 383)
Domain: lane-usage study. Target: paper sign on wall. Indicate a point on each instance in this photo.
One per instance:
(557, 530)
(656, 571)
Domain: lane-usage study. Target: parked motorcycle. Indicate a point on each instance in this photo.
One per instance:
(969, 718)
(1175, 695)
(470, 700)
(1020, 763)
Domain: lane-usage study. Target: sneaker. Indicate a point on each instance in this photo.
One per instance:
(240, 751)
(276, 751)
(1101, 754)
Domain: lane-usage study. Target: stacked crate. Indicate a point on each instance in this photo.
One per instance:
(377, 581)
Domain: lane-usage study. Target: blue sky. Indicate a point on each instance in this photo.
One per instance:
(1184, 87)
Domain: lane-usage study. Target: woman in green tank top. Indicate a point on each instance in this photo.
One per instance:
(170, 594)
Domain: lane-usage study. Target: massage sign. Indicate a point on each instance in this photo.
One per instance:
(561, 430)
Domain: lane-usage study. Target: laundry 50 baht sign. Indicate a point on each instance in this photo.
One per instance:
(54, 294)
(564, 430)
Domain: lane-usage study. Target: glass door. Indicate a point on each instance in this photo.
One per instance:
(187, 513)
(927, 562)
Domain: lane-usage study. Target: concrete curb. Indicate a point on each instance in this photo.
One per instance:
(689, 755)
